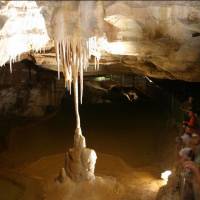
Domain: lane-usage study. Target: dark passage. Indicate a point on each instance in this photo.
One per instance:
(131, 131)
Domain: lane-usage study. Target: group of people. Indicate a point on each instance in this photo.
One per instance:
(189, 151)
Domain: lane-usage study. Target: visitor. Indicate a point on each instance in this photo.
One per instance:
(188, 104)
(189, 153)
(192, 121)
(186, 139)
(190, 161)
(196, 149)
(186, 186)
(194, 169)
(186, 154)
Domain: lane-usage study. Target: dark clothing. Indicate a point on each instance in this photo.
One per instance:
(189, 106)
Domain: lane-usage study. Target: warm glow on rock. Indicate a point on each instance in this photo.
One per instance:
(117, 47)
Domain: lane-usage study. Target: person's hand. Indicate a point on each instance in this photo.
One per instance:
(190, 165)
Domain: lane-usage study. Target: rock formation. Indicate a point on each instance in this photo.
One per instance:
(30, 91)
(80, 161)
(156, 39)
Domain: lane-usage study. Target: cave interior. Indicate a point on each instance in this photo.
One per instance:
(91, 95)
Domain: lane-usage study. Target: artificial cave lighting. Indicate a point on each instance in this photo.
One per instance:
(165, 175)
(150, 81)
(25, 29)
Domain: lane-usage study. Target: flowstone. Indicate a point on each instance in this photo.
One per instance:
(80, 160)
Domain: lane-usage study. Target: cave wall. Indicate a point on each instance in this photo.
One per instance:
(29, 91)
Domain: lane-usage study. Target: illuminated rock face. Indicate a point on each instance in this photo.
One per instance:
(24, 30)
(80, 161)
(156, 39)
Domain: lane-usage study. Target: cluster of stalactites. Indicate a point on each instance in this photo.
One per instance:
(24, 26)
(73, 56)
(17, 58)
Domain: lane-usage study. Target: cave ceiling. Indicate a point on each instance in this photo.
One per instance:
(159, 39)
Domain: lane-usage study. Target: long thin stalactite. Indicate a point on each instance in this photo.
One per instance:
(73, 56)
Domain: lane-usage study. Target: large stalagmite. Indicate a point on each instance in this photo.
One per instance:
(80, 162)
(74, 46)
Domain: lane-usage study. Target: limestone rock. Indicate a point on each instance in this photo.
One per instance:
(62, 176)
(161, 38)
(29, 91)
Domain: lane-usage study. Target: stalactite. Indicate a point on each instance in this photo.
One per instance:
(25, 27)
(81, 75)
(58, 58)
(11, 66)
(72, 55)
(78, 125)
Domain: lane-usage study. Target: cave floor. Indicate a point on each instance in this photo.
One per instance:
(126, 138)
